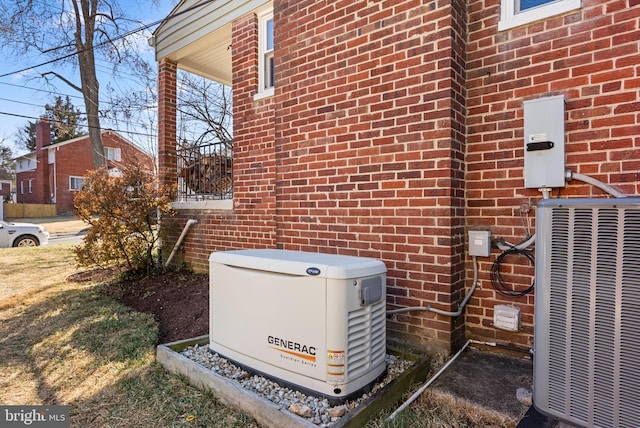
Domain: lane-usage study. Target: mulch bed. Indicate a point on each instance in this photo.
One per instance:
(179, 301)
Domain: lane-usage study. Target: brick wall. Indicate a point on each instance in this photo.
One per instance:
(589, 56)
(370, 138)
(367, 150)
(167, 81)
(252, 224)
(397, 126)
(22, 188)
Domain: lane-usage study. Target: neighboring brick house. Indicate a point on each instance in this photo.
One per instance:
(389, 129)
(53, 173)
(5, 186)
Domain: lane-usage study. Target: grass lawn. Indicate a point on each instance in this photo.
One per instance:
(67, 343)
(64, 343)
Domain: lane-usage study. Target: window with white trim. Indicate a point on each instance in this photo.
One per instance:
(112, 154)
(75, 183)
(519, 12)
(22, 187)
(31, 185)
(265, 52)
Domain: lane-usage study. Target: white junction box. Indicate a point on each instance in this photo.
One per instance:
(314, 321)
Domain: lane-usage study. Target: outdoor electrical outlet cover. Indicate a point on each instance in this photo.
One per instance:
(480, 243)
(506, 317)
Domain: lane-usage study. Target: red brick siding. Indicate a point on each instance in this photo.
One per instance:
(591, 57)
(167, 81)
(396, 126)
(252, 222)
(371, 143)
(366, 149)
(26, 197)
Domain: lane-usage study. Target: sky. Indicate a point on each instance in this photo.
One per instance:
(23, 97)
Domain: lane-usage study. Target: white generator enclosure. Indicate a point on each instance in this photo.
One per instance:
(315, 321)
(587, 311)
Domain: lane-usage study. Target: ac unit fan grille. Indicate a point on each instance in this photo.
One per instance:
(592, 271)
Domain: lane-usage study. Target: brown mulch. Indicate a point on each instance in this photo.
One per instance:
(179, 301)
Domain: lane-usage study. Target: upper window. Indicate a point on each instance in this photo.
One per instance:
(519, 12)
(266, 60)
(112, 154)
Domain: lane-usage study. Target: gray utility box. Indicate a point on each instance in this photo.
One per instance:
(544, 157)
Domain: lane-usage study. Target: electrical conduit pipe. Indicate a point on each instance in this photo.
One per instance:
(440, 311)
(546, 193)
(428, 384)
(180, 238)
(570, 175)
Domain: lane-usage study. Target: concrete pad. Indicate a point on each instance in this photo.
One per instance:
(489, 379)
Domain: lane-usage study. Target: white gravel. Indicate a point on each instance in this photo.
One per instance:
(314, 409)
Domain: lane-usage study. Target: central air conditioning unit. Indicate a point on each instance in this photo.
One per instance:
(313, 321)
(587, 311)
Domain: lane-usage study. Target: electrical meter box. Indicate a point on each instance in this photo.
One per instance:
(314, 321)
(544, 152)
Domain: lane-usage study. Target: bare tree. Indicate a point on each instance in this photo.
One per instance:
(73, 31)
(205, 110)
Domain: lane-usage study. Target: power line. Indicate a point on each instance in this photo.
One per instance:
(20, 102)
(104, 102)
(103, 129)
(122, 36)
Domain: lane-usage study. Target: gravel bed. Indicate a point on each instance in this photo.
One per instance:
(316, 410)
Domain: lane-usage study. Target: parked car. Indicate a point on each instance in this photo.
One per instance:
(22, 235)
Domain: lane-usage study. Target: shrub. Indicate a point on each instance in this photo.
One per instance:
(123, 213)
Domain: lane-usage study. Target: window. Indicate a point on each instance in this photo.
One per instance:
(112, 154)
(75, 183)
(31, 186)
(22, 187)
(518, 12)
(265, 51)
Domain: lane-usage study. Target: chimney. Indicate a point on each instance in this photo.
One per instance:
(41, 188)
(43, 133)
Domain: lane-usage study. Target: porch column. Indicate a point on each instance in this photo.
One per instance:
(167, 88)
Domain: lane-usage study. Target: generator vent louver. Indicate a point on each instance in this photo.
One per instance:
(366, 341)
(587, 311)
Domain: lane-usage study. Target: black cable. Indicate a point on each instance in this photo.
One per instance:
(496, 279)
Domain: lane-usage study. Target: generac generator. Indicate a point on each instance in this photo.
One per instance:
(309, 320)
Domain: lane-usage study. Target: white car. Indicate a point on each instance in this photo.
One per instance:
(22, 235)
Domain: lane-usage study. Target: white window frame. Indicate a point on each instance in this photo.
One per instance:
(31, 186)
(264, 54)
(113, 154)
(71, 181)
(509, 18)
(22, 187)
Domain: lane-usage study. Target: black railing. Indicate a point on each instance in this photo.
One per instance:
(205, 171)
